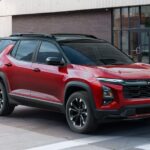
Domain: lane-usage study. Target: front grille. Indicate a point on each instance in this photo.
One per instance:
(137, 91)
(143, 110)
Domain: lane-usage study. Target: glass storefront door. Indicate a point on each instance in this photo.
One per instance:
(145, 47)
(140, 46)
(134, 45)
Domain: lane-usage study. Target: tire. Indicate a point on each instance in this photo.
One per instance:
(79, 114)
(5, 107)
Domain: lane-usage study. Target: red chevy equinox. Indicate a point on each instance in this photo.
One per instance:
(84, 77)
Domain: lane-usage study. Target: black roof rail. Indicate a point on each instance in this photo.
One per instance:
(73, 34)
(31, 35)
(54, 36)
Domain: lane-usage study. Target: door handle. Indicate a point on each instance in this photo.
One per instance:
(36, 70)
(8, 64)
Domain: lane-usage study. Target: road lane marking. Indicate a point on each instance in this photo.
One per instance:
(144, 147)
(73, 143)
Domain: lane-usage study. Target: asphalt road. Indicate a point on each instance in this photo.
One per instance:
(35, 129)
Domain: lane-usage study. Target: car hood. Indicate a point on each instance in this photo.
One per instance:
(131, 71)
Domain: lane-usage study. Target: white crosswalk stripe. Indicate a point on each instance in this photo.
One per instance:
(73, 143)
(144, 147)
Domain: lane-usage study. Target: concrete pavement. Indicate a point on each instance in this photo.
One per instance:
(34, 129)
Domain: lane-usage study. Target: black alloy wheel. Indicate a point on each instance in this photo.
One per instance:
(79, 113)
(5, 107)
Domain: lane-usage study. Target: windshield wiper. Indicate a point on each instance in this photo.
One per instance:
(110, 62)
(117, 64)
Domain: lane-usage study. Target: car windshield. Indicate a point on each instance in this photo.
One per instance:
(94, 53)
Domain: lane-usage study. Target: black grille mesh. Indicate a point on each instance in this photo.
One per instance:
(137, 91)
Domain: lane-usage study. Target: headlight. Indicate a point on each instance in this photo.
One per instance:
(107, 92)
(107, 95)
(117, 81)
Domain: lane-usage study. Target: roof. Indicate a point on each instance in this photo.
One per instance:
(68, 37)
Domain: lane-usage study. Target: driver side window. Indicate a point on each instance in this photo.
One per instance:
(46, 50)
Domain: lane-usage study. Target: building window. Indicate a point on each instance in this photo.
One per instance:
(145, 16)
(125, 41)
(133, 40)
(117, 22)
(130, 24)
(125, 18)
(117, 38)
(134, 17)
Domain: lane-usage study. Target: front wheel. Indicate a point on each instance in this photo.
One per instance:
(5, 107)
(79, 114)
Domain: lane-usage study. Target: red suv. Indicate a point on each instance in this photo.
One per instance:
(80, 75)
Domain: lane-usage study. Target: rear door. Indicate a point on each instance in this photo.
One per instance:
(19, 71)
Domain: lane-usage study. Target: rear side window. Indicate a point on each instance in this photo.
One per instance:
(26, 49)
(5, 43)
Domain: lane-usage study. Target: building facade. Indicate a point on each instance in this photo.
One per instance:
(124, 23)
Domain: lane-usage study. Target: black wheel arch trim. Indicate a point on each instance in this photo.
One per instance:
(84, 86)
(5, 81)
(6, 84)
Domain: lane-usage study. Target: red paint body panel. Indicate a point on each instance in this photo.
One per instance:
(19, 76)
(48, 83)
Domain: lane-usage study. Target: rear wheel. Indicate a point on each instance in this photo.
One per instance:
(5, 107)
(79, 114)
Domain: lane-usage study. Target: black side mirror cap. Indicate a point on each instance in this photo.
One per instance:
(55, 61)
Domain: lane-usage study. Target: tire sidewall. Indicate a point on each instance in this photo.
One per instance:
(90, 118)
(4, 97)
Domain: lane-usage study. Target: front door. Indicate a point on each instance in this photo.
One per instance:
(140, 45)
(47, 80)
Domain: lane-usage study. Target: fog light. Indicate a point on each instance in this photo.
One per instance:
(107, 95)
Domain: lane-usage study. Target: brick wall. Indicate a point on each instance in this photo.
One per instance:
(97, 22)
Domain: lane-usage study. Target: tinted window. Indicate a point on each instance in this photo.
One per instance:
(117, 39)
(5, 43)
(94, 54)
(13, 52)
(134, 17)
(26, 49)
(117, 18)
(125, 20)
(47, 49)
(145, 16)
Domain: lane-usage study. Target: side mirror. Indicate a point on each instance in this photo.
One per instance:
(55, 61)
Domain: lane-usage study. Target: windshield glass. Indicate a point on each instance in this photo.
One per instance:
(94, 53)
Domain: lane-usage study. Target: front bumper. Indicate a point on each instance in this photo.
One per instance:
(127, 112)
